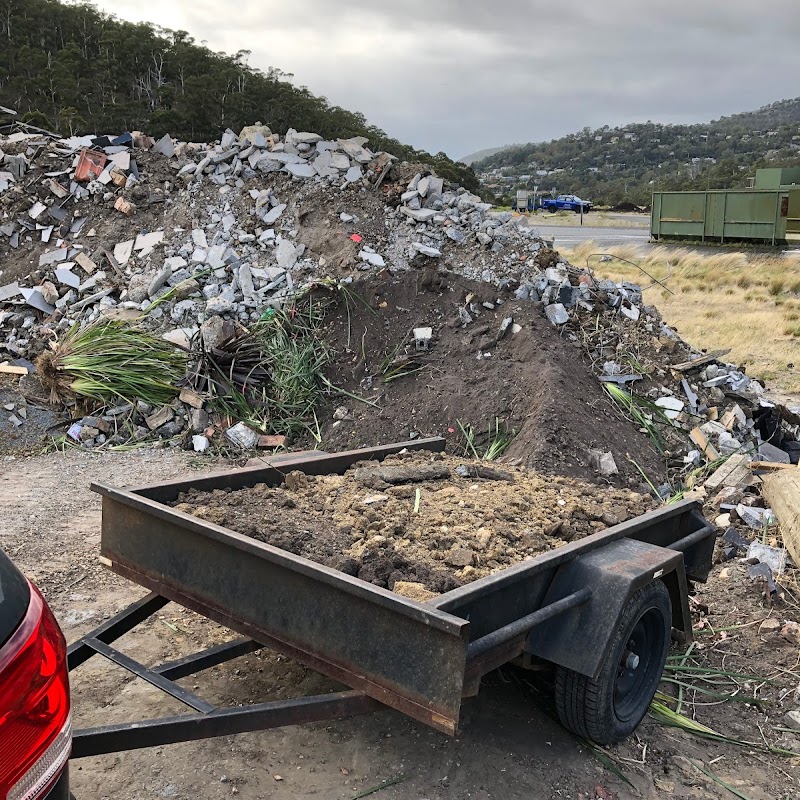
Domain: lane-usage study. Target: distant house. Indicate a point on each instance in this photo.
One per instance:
(598, 138)
(614, 139)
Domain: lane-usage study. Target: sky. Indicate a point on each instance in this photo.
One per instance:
(462, 75)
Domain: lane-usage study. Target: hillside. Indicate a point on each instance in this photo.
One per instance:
(626, 164)
(73, 70)
(482, 154)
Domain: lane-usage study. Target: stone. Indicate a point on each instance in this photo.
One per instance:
(425, 250)
(773, 557)
(372, 258)
(198, 419)
(242, 436)
(219, 305)
(791, 633)
(456, 234)
(672, 406)
(49, 292)
(215, 331)
(556, 313)
(180, 337)
(186, 288)
(340, 161)
(459, 557)
(286, 254)
(272, 216)
(246, 284)
(35, 299)
(418, 215)
(200, 443)
(603, 463)
(158, 281)
(199, 238)
(215, 257)
(137, 288)
(164, 415)
(353, 174)
(301, 170)
(792, 719)
(483, 238)
(341, 413)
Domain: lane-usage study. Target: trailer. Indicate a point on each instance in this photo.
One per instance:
(600, 610)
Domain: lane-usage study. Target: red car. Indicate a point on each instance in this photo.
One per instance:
(35, 722)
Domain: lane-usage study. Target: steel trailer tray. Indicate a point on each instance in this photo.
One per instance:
(418, 658)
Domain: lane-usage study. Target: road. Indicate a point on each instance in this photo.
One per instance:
(569, 236)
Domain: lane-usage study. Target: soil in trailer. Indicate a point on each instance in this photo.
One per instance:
(418, 523)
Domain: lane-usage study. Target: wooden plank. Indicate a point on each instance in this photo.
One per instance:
(729, 474)
(771, 466)
(10, 369)
(703, 445)
(782, 493)
(700, 362)
(728, 420)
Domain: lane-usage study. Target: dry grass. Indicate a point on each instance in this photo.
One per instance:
(748, 302)
(594, 219)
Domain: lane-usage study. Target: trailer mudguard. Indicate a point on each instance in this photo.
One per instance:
(579, 639)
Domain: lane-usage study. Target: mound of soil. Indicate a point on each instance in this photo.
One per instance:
(418, 523)
(530, 382)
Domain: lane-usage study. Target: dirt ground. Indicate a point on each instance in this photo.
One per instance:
(510, 746)
(368, 522)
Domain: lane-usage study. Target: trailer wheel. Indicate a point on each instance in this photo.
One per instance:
(609, 709)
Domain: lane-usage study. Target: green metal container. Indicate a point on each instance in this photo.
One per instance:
(769, 212)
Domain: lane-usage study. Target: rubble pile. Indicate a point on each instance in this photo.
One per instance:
(195, 240)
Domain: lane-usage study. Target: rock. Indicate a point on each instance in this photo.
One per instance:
(372, 258)
(483, 238)
(672, 406)
(161, 417)
(773, 557)
(158, 281)
(456, 234)
(419, 215)
(272, 216)
(792, 719)
(215, 331)
(301, 170)
(200, 443)
(770, 625)
(218, 305)
(354, 174)
(165, 146)
(341, 413)
(286, 254)
(425, 250)
(556, 313)
(49, 292)
(791, 632)
(603, 463)
(459, 557)
(198, 420)
(242, 436)
(186, 288)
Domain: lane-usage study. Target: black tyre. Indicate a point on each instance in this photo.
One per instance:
(610, 709)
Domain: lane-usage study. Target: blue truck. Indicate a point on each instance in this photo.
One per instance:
(566, 202)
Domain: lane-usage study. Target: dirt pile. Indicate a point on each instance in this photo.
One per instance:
(418, 518)
(498, 377)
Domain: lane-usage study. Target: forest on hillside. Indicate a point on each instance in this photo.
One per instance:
(73, 70)
(626, 164)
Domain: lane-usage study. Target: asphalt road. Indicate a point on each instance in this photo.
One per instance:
(569, 236)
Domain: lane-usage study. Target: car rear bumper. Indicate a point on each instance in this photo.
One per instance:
(60, 790)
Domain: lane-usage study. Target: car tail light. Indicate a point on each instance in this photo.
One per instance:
(35, 726)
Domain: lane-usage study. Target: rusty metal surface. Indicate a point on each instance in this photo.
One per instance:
(407, 655)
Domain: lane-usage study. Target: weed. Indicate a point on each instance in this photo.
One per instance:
(776, 286)
(498, 440)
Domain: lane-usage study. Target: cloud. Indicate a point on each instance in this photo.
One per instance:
(460, 75)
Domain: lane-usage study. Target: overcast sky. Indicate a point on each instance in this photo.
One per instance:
(462, 75)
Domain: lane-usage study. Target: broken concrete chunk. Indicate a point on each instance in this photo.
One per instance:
(372, 258)
(603, 463)
(242, 436)
(556, 313)
(165, 146)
